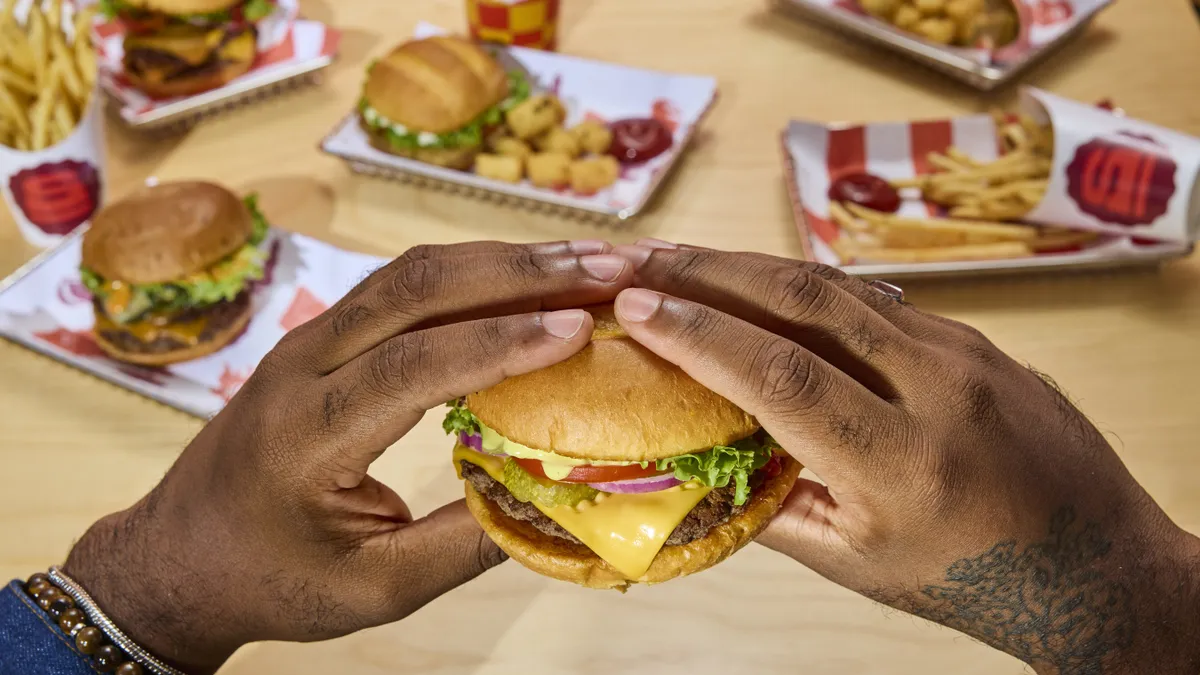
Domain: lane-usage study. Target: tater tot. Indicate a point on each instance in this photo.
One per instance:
(880, 9)
(907, 17)
(499, 167)
(930, 7)
(549, 169)
(591, 175)
(558, 140)
(512, 147)
(594, 136)
(960, 10)
(940, 31)
(966, 31)
(534, 116)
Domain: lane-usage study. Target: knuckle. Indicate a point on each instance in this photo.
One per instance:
(421, 252)
(526, 264)
(798, 292)
(826, 272)
(696, 326)
(414, 284)
(788, 383)
(682, 266)
(977, 401)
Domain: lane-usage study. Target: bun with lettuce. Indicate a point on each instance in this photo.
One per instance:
(170, 269)
(614, 467)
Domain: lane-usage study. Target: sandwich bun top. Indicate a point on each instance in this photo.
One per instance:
(437, 84)
(615, 400)
(166, 232)
(185, 6)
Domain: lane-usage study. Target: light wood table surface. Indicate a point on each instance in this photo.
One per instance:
(1123, 344)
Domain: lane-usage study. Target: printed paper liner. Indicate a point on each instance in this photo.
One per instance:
(589, 89)
(815, 154)
(45, 307)
(287, 45)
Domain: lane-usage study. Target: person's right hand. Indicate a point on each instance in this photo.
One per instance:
(958, 484)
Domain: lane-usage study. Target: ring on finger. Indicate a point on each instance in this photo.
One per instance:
(891, 290)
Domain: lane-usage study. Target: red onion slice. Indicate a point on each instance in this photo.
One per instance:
(639, 485)
(473, 441)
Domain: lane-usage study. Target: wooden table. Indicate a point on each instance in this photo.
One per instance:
(1124, 344)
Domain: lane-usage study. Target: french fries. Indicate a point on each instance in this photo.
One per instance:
(47, 74)
(981, 200)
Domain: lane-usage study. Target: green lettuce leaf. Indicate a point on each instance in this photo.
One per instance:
(257, 10)
(111, 8)
(724, 463)
(466, 136)
(460, 419)
(261, 226)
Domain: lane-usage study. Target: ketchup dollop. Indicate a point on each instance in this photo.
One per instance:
(638, 140)
(866, 190)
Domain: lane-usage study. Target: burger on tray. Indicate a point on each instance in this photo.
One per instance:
(184, 47)
(614, 467)
(170, 269)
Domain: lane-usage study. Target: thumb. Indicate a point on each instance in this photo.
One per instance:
(806, 529)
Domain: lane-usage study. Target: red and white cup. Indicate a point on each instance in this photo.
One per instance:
(1115, 174)
(52, 192)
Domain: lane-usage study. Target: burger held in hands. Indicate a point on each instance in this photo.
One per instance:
(170, 269)
(184, 47)
(614, 467)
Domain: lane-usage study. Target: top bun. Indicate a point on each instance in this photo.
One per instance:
(166, 232)
(438, 84)
(615, 400)
(185, 6)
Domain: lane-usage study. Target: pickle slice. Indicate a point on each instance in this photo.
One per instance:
(529, 488)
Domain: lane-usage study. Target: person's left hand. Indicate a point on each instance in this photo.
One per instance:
(268, 526)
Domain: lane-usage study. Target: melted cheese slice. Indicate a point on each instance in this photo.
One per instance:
(192, 46)
(626, 530)
(154, 326)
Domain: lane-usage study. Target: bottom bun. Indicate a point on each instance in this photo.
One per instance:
(568, 561)
(451, 158)
(215, 344)
(187, 85)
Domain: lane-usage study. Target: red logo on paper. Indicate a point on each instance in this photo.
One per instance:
(1120, 184)
(1050, 12)
(230, 382)
(79, 343)
(304, 307)
(58, 197)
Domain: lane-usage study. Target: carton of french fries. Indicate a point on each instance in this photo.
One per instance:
(51, 122)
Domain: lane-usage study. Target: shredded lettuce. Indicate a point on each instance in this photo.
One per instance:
(459, 419)
(224, 281)
(257, 10)
(252, 10)
(466, 136)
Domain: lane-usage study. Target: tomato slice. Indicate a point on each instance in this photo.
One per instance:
(593, 474)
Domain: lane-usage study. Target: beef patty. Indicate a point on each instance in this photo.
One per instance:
(219, 318)
(716, 508)
(139, 60)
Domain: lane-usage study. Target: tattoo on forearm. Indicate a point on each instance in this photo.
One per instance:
(1050, 603)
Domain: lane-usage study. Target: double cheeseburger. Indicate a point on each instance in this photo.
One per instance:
(170, 270)
(614, 467)
(435, 99)
(183, 47)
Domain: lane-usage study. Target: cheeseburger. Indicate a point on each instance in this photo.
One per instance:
(614, 467)
(170, 270)
(183, 47)
(434, 99)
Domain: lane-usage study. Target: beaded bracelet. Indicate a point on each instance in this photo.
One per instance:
(81, 619)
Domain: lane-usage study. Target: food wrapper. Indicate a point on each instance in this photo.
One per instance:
(1116, 174)
(816, 154)
(284, 42)
(589, 90)
(45, 307)
(524, 23)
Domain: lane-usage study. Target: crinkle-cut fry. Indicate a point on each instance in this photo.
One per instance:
(962, 157)
(1004, 210)
(918, 182)
(995, 251)
(872, 216)
(18, 82)
(997, 230)
(844, 219)
(1030, 168)
(14, 110)
(1032, 196)
(1012, 189)
(1064, 239)
(945, 163)
(845, 248)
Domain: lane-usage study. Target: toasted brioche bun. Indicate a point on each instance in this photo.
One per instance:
(187, 85)
(210, 346)
(567, 561)
(166, 232)
(438, 84)
(184, 6)
(614, 400)
(452, 158)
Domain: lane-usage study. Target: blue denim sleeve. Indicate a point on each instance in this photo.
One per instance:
(31, 643)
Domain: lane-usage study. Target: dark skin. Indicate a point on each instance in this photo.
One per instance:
(955, 483)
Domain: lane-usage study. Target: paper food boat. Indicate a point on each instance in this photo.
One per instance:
(589, 89)
(1045, 26)
(816, 154)
(46, 308)
(292, 52)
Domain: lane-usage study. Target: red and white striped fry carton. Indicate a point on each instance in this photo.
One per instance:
(816, 154)
(286, 46)
(1115, 174)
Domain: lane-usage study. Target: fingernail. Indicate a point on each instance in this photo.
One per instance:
(636, 255)
(603, 267)
(651, 242)
(564, 324)
(637, 304)
(588, 246)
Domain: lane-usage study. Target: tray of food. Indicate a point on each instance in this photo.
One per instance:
(170, 63)
(984, 43)
(1060, 185)
(175, 292)
(536, 128)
